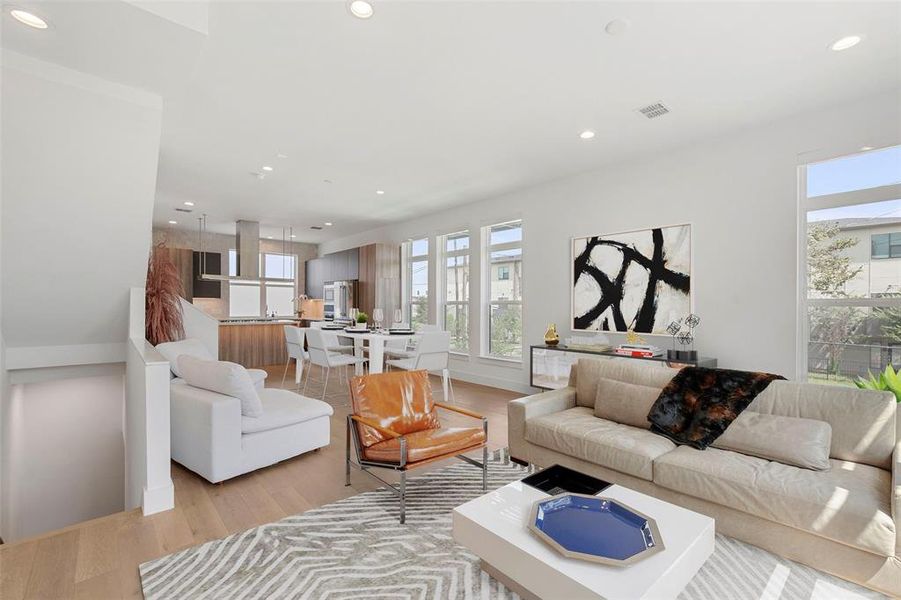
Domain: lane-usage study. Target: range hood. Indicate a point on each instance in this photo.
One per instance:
(247, 243)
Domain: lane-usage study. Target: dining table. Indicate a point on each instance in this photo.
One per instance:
(376, 344)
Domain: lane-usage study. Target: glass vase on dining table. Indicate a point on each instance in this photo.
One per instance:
(378, 316)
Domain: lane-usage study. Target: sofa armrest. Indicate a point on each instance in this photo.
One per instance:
(521, 410)
(206, 431)
(896, 494)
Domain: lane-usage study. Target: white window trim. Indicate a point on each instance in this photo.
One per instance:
(805, 205)
(261, 285)
(441, 297)
(408, 259)
(486, 249)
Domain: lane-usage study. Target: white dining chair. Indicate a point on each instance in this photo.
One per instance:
(431, 354)
(294, 337)
(324, 358)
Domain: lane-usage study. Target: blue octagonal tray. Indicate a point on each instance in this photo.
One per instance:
(595, 529)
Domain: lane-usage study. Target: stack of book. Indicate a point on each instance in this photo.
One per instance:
(639, 350)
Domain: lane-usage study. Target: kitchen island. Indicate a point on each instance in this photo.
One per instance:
(254, 343)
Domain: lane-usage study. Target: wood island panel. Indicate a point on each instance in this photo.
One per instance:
(253, 345)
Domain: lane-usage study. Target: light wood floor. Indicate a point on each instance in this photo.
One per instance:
(99, 559)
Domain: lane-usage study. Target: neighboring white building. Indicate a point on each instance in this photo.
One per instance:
(877, 254)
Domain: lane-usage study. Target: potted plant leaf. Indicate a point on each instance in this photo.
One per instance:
(362, 319)
(888, 380)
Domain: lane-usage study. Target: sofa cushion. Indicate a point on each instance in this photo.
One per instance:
(848, 503)
(577, 432)
(282, 408)
(863, 421)
(227, 378)
(257, 376)
(589, 370)
(626, 403)
(192, 347)
(790, 440)
(423, 445)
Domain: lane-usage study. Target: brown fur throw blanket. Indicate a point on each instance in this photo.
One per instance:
(699, 403)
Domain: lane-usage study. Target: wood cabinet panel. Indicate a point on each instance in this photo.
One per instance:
(183, 259)
(253, 346)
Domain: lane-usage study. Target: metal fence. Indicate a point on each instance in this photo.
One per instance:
(851, 360)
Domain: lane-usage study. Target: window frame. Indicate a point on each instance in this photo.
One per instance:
(408, 261)
(264, 283)
(487, 303)
(812, 203)
(891, 245)
(443, 302)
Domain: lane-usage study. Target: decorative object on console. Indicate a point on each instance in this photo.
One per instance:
(551, 338)
(633, 280)
(638, 350)
(599, 530)
(698, 404)
(685, 338)
(162, 299)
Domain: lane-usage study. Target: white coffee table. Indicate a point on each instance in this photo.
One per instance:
(493, 527)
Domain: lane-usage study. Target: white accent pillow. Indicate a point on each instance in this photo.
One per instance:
(192, 347)
(227, 378)
(791, 441)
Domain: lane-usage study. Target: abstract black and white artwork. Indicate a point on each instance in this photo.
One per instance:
(639, 280)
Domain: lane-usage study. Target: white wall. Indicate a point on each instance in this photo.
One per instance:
(79, 176)
(66, 453)
(739, 191)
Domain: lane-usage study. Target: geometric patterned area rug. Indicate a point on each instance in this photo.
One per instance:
(355, 548)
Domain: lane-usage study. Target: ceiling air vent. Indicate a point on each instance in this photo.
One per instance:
(184, 210)
(316, 227)
(652, 111)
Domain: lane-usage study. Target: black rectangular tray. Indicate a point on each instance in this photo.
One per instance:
(558, 479)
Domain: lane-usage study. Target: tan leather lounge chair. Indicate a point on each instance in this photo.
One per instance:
(394, 425)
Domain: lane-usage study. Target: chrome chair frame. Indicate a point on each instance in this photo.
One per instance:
(365, 465)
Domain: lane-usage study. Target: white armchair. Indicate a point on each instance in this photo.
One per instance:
(213, 439)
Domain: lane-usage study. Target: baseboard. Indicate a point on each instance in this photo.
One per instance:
(158, 499)
(496, 382)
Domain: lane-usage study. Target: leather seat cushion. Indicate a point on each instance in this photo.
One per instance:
(849, 503)
(577, 432)
(400, 401)
(430, 443)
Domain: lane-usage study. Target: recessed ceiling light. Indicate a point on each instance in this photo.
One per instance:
(380, 192)
(32, 20)
(327, 224)
(865, 148)
(293, 236)
(189, 203)
(280, 155)
(173, 222)
(587, 134)
(268, 237)
(849, 41)
(267, 168)
(617, 26)
(361, 9)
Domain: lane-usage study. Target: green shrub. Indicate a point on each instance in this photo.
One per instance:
(888, 380)
(362, 317)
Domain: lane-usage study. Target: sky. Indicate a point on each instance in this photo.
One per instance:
(856, 172)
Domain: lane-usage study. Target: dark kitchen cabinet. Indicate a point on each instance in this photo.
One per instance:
(338, 266)
(204, 288)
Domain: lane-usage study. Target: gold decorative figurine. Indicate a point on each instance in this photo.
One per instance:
(634, 338)
(550, 336)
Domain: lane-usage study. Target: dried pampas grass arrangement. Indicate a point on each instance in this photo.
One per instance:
(163, 319)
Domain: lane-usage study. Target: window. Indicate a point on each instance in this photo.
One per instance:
(253, 299)
(851, 321)
(456, 289)
(416, 289)
(503, 264)
(885, 245)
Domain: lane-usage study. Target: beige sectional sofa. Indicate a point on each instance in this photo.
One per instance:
(843, 520)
